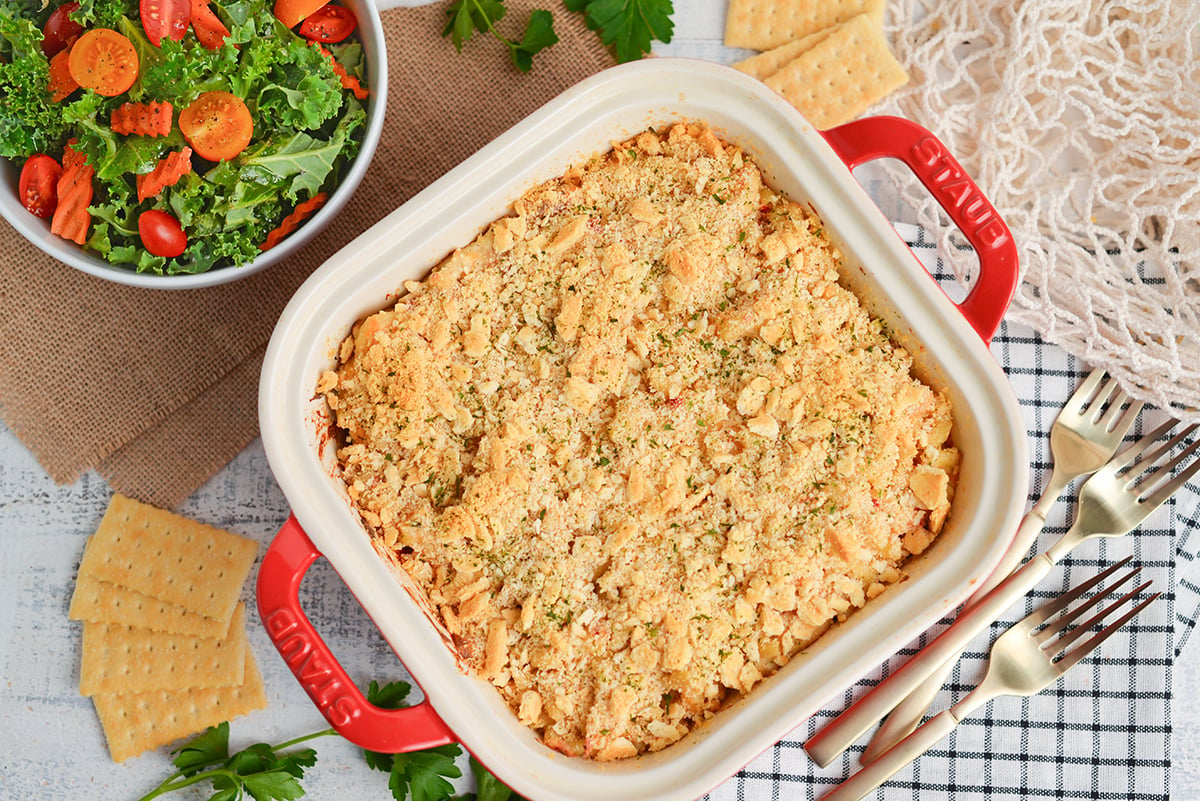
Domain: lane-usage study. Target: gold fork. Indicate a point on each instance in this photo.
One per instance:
(1114, 501)
(1085, 435)
(1024, 660)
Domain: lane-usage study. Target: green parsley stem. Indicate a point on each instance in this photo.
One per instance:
(492, 28)
(305, 738)
(169, 786)
(180, 779)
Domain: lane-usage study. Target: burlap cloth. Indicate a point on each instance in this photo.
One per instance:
(157, 390)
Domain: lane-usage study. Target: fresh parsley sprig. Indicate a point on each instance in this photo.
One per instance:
(629, 27)
(468, 16)
(273, 772)
(488, 787)
(262, 772)
(421, 775)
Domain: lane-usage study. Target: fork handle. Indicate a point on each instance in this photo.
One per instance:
(909, 712)
(1058, 481)
(918, 741)
(894, 759)
(843, 730)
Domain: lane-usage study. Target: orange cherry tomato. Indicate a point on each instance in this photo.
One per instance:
(104, 61)
(60, 30)
(38, 186)
(217, 125)
(328, 25)
(161, 234)
(290, 12)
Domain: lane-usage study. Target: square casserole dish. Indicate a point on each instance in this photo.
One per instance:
(949, 344)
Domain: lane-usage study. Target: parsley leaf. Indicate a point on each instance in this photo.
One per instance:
(273, 785)
(466, 17)
(393, 695)
(420, 774)
(469, 16)
(423, 774)
(209, 748)
(263, 772)
(488, 787)
(631, 25)
(628, 26)
(539, 34)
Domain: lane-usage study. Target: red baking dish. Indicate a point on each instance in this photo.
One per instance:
(949, 343)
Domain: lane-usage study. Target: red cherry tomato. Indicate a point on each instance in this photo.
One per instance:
(328, 24)
(207, 25)
(161, 233)
(165, 19)
(60, 30)
(38, 185)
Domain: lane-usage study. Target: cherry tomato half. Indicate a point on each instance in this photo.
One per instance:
(290, 12)
(328, 24)
(161, 234)
(62, 83)
(165, 19)
(60, 30)
(38, 185)
(104, 61)
(209, 29)
(217, 125)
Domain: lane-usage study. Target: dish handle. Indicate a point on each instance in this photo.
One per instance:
(873, 138)
(390, 731)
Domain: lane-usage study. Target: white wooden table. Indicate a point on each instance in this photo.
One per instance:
(51, 745)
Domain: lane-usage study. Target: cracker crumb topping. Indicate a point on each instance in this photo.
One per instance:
(637, 445)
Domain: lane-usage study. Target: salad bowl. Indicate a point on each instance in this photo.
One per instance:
(37, 230)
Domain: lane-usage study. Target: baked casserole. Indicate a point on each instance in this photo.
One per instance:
(636, 445)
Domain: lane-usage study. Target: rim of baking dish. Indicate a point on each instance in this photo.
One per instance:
(366, 275)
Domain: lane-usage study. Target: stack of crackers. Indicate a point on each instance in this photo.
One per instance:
(165, 653)
(828, 58)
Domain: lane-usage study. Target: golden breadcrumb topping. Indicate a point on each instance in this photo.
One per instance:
(637, 446)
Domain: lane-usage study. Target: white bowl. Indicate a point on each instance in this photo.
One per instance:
(37, 230)
(365, 277)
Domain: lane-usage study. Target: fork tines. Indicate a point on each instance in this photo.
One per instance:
(1102, 404)
(1053, 624)
(1139, 462)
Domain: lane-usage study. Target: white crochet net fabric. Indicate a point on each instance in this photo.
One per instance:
(1080, 120)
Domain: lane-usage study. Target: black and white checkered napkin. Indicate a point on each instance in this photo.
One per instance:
(1103, 731)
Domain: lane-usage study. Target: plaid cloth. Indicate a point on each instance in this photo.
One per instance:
(1103, 731)
(1187, 567)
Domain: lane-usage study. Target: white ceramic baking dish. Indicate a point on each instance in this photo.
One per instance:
(949, 343)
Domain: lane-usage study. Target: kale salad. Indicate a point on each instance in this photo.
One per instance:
(178, 136)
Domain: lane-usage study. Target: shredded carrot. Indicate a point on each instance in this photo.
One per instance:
(142, 119)
(290, 222)
(348, 80)
(71, 218)
(166, 173)
(61, 82)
